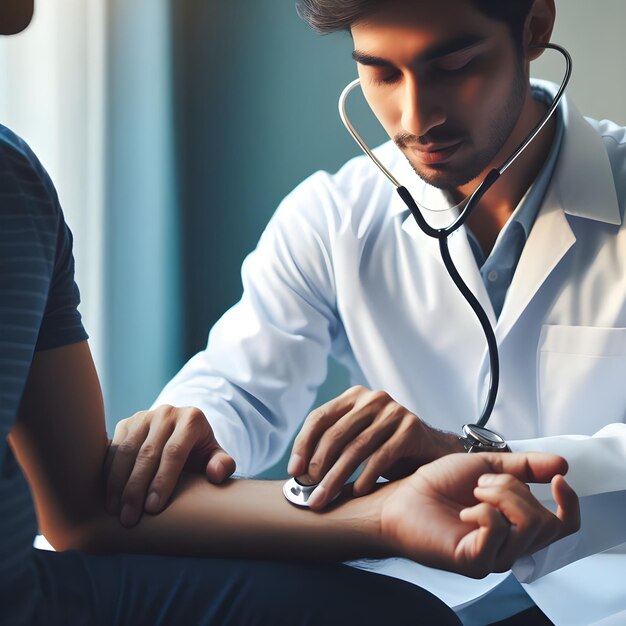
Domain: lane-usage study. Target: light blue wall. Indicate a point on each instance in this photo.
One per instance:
(256, 96)
(142, 296)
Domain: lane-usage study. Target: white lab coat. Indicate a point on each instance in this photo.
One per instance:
(343, 268)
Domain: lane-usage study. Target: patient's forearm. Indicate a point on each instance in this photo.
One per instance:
(60, 441)
(246, 519)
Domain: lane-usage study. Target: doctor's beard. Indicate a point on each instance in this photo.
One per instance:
(448, 175)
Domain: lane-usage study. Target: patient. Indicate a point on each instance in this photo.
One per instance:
(468, 513)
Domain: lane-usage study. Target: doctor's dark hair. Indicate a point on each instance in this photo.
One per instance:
(329, 16)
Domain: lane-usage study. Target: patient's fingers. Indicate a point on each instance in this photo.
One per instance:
(479, 548)
(568, 506)
(529, 467)
(527, 516)
(533, 526)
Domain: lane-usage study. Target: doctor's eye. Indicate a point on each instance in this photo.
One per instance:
(457, 63)
(457, 68)
(389, 78)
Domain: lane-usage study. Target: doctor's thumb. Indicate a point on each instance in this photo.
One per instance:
(220, 466)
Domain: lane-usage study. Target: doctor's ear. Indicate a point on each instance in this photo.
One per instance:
(538, 28)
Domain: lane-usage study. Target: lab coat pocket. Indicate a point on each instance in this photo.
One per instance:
(581, 378)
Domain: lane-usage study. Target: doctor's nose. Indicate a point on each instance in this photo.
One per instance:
(421, 110)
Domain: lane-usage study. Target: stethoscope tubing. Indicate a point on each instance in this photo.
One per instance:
(442, 234)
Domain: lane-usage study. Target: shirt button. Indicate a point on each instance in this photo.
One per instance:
(492, 276)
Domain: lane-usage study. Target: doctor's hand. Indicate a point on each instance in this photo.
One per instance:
(473, 513)
(148, 453)
(361, 425)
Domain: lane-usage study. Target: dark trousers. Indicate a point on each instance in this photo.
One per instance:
(139, 590)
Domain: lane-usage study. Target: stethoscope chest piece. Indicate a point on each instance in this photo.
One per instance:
(298, 493)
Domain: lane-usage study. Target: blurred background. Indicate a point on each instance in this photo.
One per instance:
(172, 129)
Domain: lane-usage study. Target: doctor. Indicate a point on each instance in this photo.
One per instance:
(343, 269)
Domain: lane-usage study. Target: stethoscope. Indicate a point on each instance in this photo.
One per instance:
(295, 491)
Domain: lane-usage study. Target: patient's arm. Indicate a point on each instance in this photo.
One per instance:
(61, 442)
(434, 516)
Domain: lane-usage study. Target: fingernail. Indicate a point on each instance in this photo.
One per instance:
(486, 479)
(219, 471)
(113, 505)
(152, 502)
(317, 498)
(128, 517)
(358, 491)
(295, 465)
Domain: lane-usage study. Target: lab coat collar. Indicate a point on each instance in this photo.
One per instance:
(582, 186)
(583, 176)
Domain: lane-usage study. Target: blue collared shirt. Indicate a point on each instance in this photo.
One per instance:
(498, 268)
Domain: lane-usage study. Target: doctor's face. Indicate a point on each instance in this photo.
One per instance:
(446, 82)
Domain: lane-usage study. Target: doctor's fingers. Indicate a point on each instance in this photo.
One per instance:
(138, 445)
(395, 458)
(192, 445)
(315, 425)
(147, 459)
(177, 437)
(357, 451)
(362, 430)
(129, 436)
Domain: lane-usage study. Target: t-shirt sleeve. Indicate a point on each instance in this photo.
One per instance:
(61, 324)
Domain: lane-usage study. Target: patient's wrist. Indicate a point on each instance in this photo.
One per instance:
(385, 545)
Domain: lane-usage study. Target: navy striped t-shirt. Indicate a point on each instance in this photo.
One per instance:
(38, 311)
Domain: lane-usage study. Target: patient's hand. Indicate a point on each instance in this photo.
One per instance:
(474, 514)
(148, 453)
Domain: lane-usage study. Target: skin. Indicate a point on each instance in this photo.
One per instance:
(471, 514)
(451, 88)
(154, 449)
